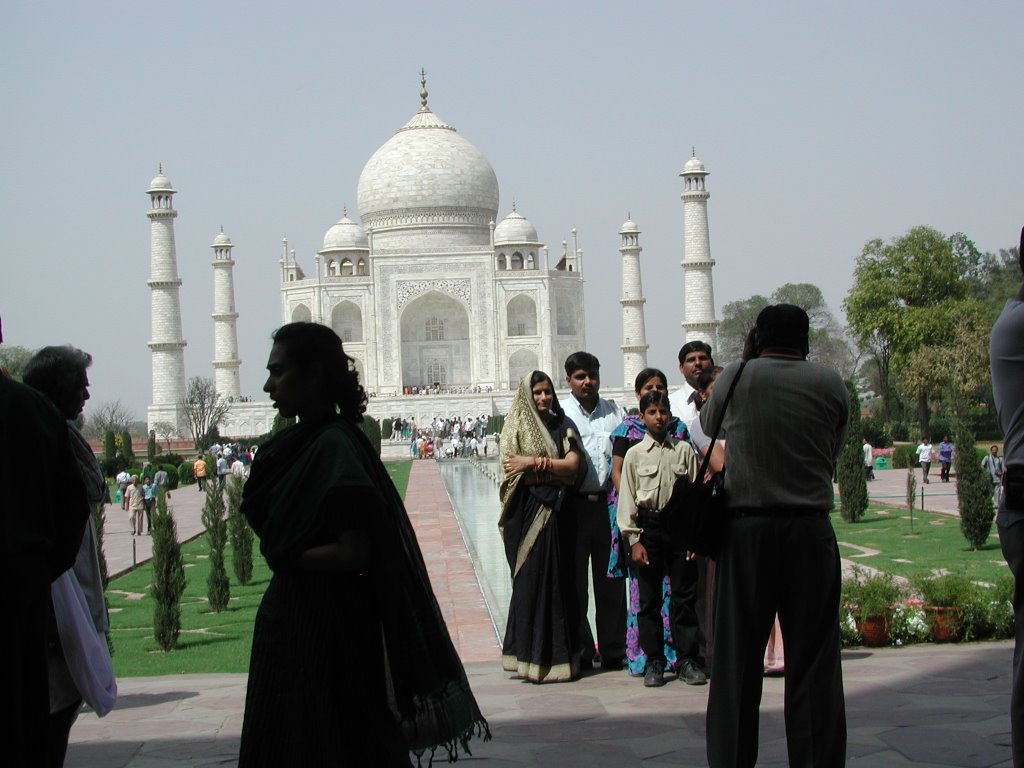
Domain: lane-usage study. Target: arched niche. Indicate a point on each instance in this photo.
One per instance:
(565, 315)
(347, 321)
(516, 261)
(435, 337)
(521, 363)
(301, 314)
(522, 316)
(502, 262)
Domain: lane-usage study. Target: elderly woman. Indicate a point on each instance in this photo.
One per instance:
(351, 661)
(540, 453)
(61, 374)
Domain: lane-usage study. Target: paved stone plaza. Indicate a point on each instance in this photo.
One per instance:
(926, 705)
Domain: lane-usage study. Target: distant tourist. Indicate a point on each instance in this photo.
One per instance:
(869, 461)
(946, 453)
(925, 454)
(993, 464)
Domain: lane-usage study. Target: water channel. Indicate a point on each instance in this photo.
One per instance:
(474, 497)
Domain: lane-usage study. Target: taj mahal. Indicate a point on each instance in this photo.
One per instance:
(443, 306)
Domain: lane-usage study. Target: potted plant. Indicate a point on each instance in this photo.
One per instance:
(871, 597)
(944, 597)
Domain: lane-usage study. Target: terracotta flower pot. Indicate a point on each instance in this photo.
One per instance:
(944, 622)
(874, 630)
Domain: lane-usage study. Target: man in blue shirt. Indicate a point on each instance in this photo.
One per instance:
(595, 418)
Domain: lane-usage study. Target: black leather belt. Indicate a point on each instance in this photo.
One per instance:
(594, 497)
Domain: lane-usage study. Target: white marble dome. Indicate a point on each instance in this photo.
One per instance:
(629, 226)
(515, 228)
(221, 239)
(427, 175)
(160, 183)
(693, 165)
(345, 235)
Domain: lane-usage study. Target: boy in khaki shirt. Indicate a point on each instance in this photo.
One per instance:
(649, 471)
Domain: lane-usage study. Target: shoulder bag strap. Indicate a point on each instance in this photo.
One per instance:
(721, 418)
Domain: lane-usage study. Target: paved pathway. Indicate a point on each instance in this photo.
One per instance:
(925, 706)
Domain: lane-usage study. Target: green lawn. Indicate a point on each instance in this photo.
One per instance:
(209, 642)
(936, 544)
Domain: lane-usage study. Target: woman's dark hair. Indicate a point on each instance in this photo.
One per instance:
(59, 373)
(312, 344)
(646, 375)
(654, 397)
(536, 378)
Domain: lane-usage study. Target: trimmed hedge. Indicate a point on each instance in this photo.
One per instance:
(904, 456)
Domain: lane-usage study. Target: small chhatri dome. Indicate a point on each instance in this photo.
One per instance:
(515, 228)
(345, 235)
(221, 239)
(629, 225)
(160, 183)
(693, 165)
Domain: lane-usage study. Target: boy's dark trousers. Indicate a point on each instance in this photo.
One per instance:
(666, 559)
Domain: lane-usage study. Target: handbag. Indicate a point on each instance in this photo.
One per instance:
(695, 514)
(85, 649)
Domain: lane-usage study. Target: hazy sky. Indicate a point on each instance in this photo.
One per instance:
(822, 127)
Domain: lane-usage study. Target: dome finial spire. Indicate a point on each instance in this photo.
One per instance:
(160, 166)
(693, 150)
(423, 91)
(513, 205)
(344, 210)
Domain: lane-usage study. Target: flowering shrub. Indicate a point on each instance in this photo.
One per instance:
(908, 624)
(848, 634)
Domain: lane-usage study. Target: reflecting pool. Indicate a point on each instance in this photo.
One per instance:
(474, 498)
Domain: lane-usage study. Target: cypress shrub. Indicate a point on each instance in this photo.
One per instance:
(911, 489)
(186, 474)
(168, 576)
(151, 447)
(172, 475)
(386, 429)
(109, 446)
(371, 429)
(853, 487)
(126, 447)
(218, 588)
(240, 532)
(904, 457)
(973, 492)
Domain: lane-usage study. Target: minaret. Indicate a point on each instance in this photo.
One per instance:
(634, 335)
(167, 347)
(225, 331)
(699, 323)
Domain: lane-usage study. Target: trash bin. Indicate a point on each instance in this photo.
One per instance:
(881, 463)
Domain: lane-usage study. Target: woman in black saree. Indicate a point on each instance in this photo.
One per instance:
(352, 663)
(540, 454)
